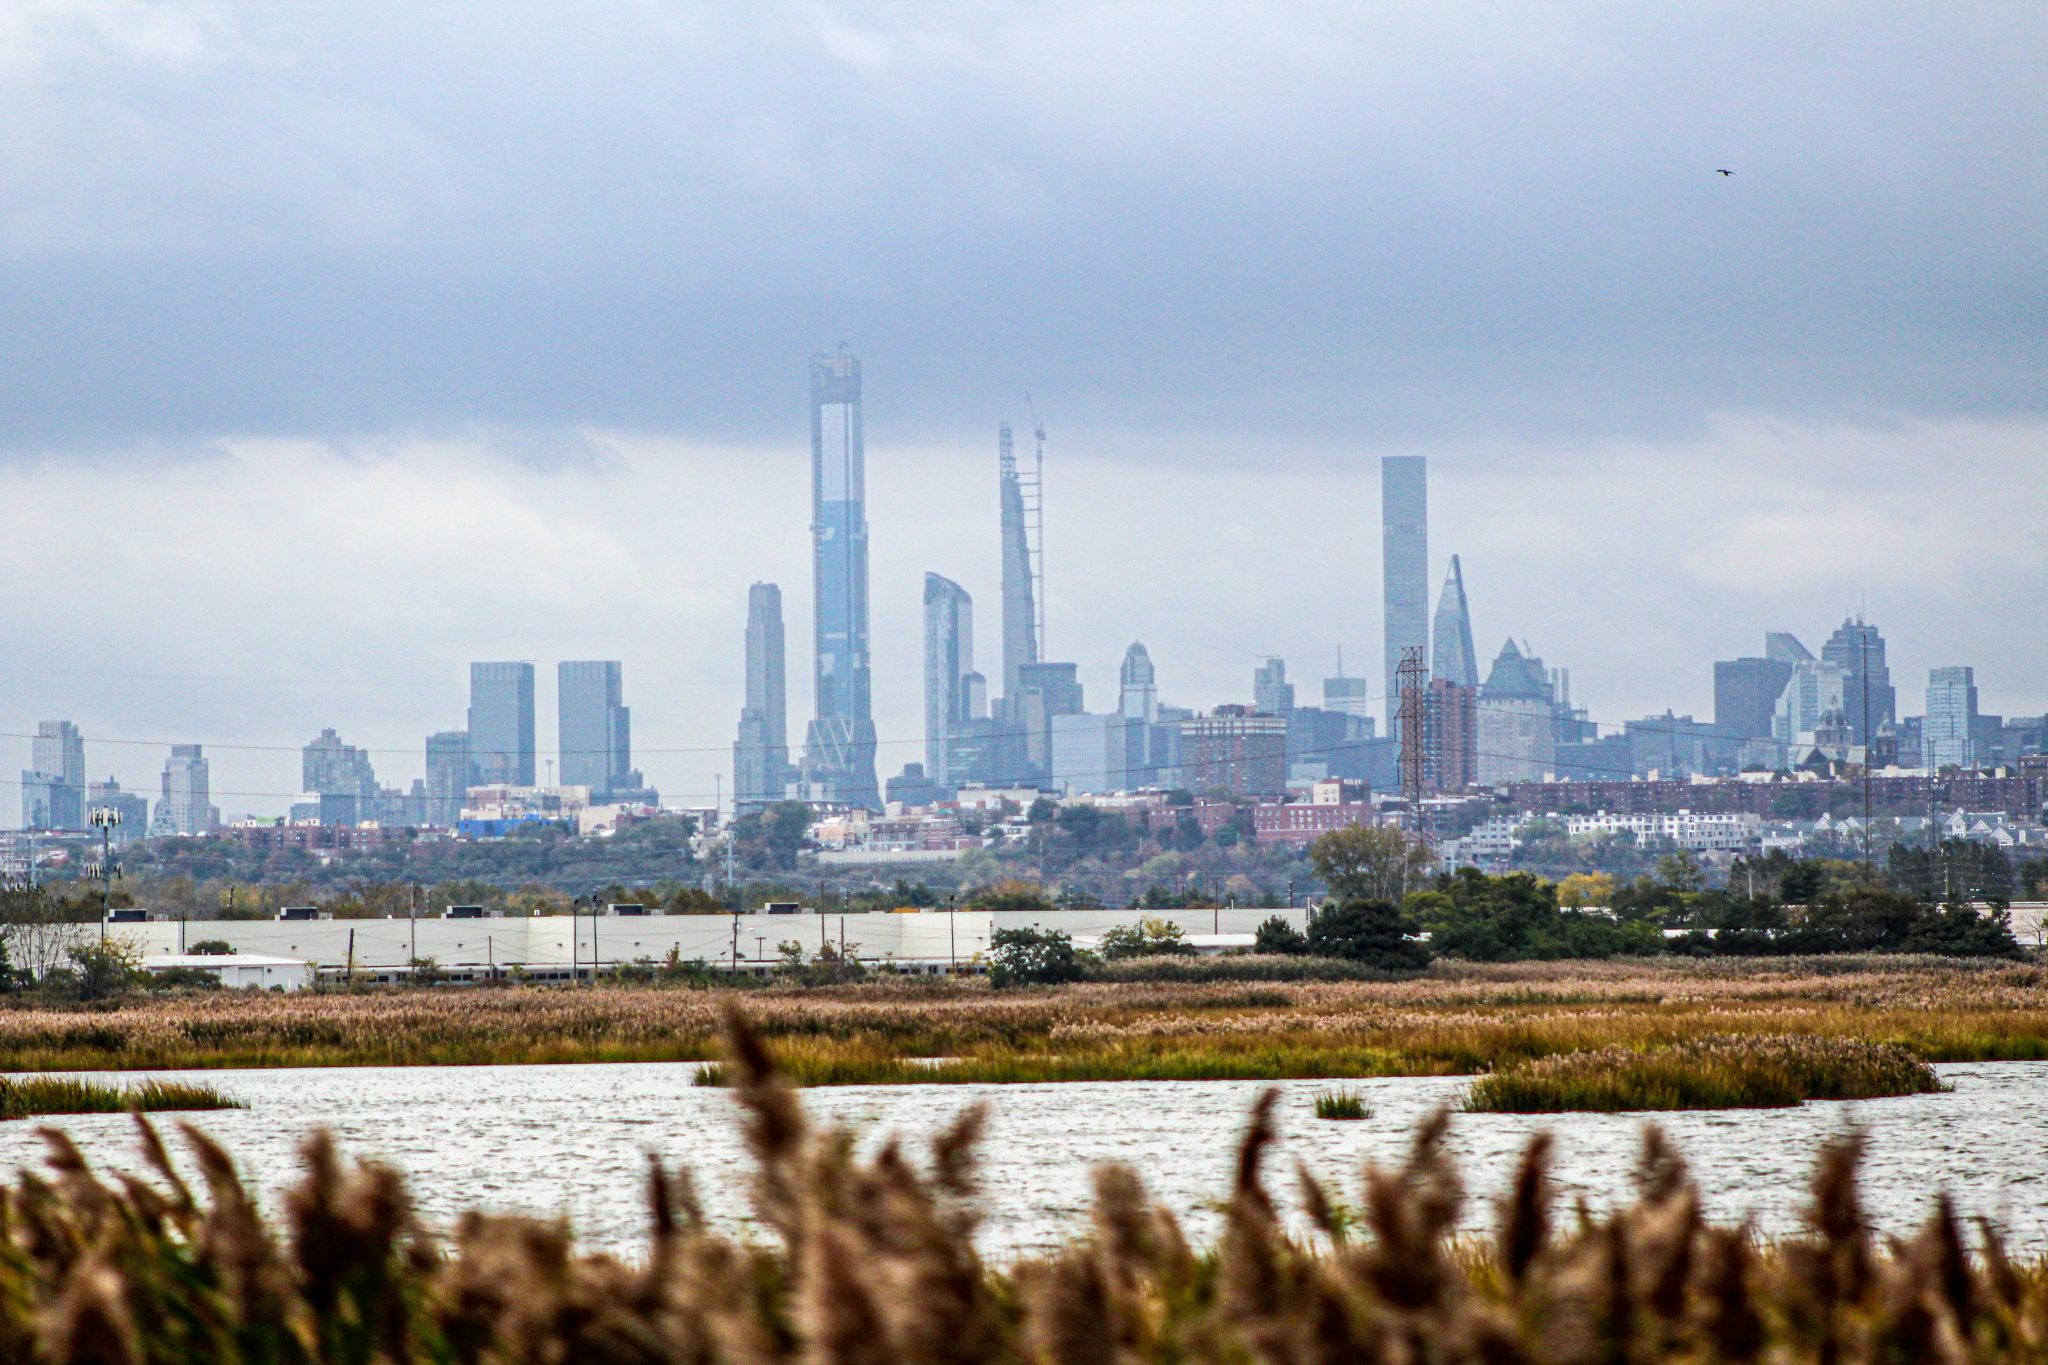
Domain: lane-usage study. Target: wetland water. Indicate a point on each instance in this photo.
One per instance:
(572, 1140)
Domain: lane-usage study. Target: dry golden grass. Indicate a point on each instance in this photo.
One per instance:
(873, 1262)
(1455, 1020)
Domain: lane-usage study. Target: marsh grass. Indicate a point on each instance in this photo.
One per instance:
(861, 1259)
(1454, 1020)
(1342, 1104)
(32, 1096)
(1705, 1073)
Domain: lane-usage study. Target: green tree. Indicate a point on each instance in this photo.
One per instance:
(1276, 935)
(1375, 933)
(1031, 957)
(1149, 937)
(1369, 863)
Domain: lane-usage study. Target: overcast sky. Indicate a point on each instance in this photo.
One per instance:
(345, 343)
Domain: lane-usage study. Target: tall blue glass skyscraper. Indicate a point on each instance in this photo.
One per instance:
(840, 749)
(1404, 510)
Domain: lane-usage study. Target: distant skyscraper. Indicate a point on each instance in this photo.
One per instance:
(594, 730)
(1348, 696)
(450, 775)
(1137, 695)
(1947, 735)
(329, 767)
(839, 752)
(1852, 648)
(1813, 694)
(1271, 692)
(1515, 715)
(1404, 512)
(1450, 743)
(1454, 658)
(186, 806)
(948, 665)
(1044, 690)
(133, 809)
(1236, 750)
(1746, 693)
(760, 756)
(501, 742)
(53, 789)
(1021, 644)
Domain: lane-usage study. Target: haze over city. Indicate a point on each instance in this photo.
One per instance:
(353, 343)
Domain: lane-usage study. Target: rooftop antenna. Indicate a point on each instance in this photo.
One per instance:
(1033, 493)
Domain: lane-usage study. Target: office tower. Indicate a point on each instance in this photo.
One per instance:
(1672, 746)
(501, 742)
(948, 664)
(1853, 648)
(450, 775)
(1044, 690)
(1021, 565)
(1450, 736)
(1098, 754)
(133, 809)
(1137, 696)
(1814, 691)
(1271, 692)
(1404, 512)
(594, 730)
(760, 755)
(1746, 693)
(1516, 715)
(1349, 696)
(839, 751)
(341, 777)
(53, 788)
(1234, 749)
(1785, 648)
(186, 805)
(1948, 733)
(1454, 658)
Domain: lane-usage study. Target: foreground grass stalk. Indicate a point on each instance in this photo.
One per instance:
(873, 1260)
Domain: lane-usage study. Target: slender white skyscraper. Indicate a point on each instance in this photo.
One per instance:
(1021, 644)
(1138, 696)
(1404, 512)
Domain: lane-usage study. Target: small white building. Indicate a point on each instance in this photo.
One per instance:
(238, 971)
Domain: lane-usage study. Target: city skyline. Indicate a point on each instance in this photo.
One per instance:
(336, 389)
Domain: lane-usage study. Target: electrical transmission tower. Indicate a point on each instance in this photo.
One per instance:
(1409, 679)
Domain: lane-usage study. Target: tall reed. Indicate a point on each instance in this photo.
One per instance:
(1705, 1073)
(873, 1259)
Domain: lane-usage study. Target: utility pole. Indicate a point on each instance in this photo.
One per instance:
(106, 817)
(736, 940)
(412, 924)
(350, 978)
(596, 962)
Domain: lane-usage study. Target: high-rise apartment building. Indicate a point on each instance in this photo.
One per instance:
(760, 755)
(1021, 644)
(1404, 512)
(1450, 736)
(53, 788)
(450, 775)
(1454, 658)
(1234, 749)
(594, 730)
(1044, 690)
(1271, 692)
(1948, 733)
(501, 738)
(186, 805)
(1858, 650)
(839, 751)
(948, 666)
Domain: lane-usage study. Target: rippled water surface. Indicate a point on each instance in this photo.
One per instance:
(573, 1140)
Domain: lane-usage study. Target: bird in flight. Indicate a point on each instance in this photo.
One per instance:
(1720, 171)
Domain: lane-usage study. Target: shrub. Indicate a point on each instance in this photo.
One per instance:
(1374, 933)
(212, 947)
(1342, 1104)
(1032, 957)
(1276, 935)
